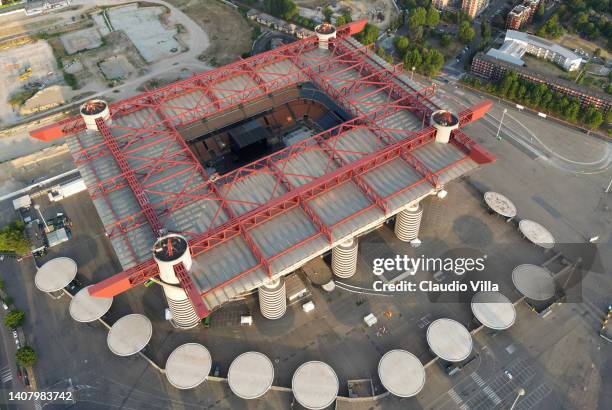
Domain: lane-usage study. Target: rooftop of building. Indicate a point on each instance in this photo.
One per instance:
(514, 35)
(561, 82)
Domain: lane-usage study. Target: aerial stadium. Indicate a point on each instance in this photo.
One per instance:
(225, 182)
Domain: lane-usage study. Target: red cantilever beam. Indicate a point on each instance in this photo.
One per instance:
(188, 286)
(131, 179)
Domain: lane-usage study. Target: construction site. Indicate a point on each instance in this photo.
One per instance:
(244, 209)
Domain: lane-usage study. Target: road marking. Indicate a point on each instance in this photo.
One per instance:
(492, 395)
(455, 396)
(534, 397)
(5, 374)
(478, 379)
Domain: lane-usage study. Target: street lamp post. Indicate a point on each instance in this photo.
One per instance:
(501, 120)
(519, 394)
(37, 207)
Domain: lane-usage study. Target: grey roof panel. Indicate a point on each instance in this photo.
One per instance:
(356, 144)
(284, 231)
(308, 163)
(251, 191)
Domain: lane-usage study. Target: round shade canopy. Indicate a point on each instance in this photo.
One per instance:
(534, 282)
(500, 204)
(401, 373)
(315, 385)
(55, 274)
(188, 366)
(449, 340)
(129, 335)
(536, 233)
(250, 375)
(493, 310)
(86, 308)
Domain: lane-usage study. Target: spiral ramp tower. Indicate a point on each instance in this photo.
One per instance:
(169, 251)
(344, 259)
(408, 222)
(273, 299)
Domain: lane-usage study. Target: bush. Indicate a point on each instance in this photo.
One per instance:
(18, 98)
(8, 300)
(13, 239)
(26, 356)
(369, 34)
(14, 319)
(70, 80)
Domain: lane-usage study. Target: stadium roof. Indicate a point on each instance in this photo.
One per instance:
(271, 216)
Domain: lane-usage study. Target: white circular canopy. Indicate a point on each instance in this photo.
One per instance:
(493, 310)
(500, 204)
(188, 366)
(86, 308)
(537, 234)
(534, 282)
(55, 274)
(449, 340)
(315, 385)
(401, 373)
(250, 375)
(129, 335)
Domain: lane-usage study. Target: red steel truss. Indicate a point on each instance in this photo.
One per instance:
(159, 128)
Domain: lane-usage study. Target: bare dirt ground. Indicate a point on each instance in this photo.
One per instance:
(361, 9)
(36, 57)
(229, 32)
(571, 41)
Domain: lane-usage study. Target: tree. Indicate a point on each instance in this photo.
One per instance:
(552, 28)
(285, 9)
(433, 62)
(14, 319)
(417, 18)
(26, 356)
(485, 30)
(344, 18)
(401, 44)
(327, 13)
(413, 59)
(433, 17)
(368, 35)
(466, 32)
(592, 117)
(445, 40)
(13, 239)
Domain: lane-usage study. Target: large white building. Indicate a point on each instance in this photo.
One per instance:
(517, 43)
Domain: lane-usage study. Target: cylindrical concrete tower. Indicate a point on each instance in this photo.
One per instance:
(444, 122)
(325, 32)
(344, 259)
(407, 223)
(169, 251)
(273, 299)
(92, 110)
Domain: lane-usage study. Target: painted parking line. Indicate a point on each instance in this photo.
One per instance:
(533, 398)
(5, 374)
